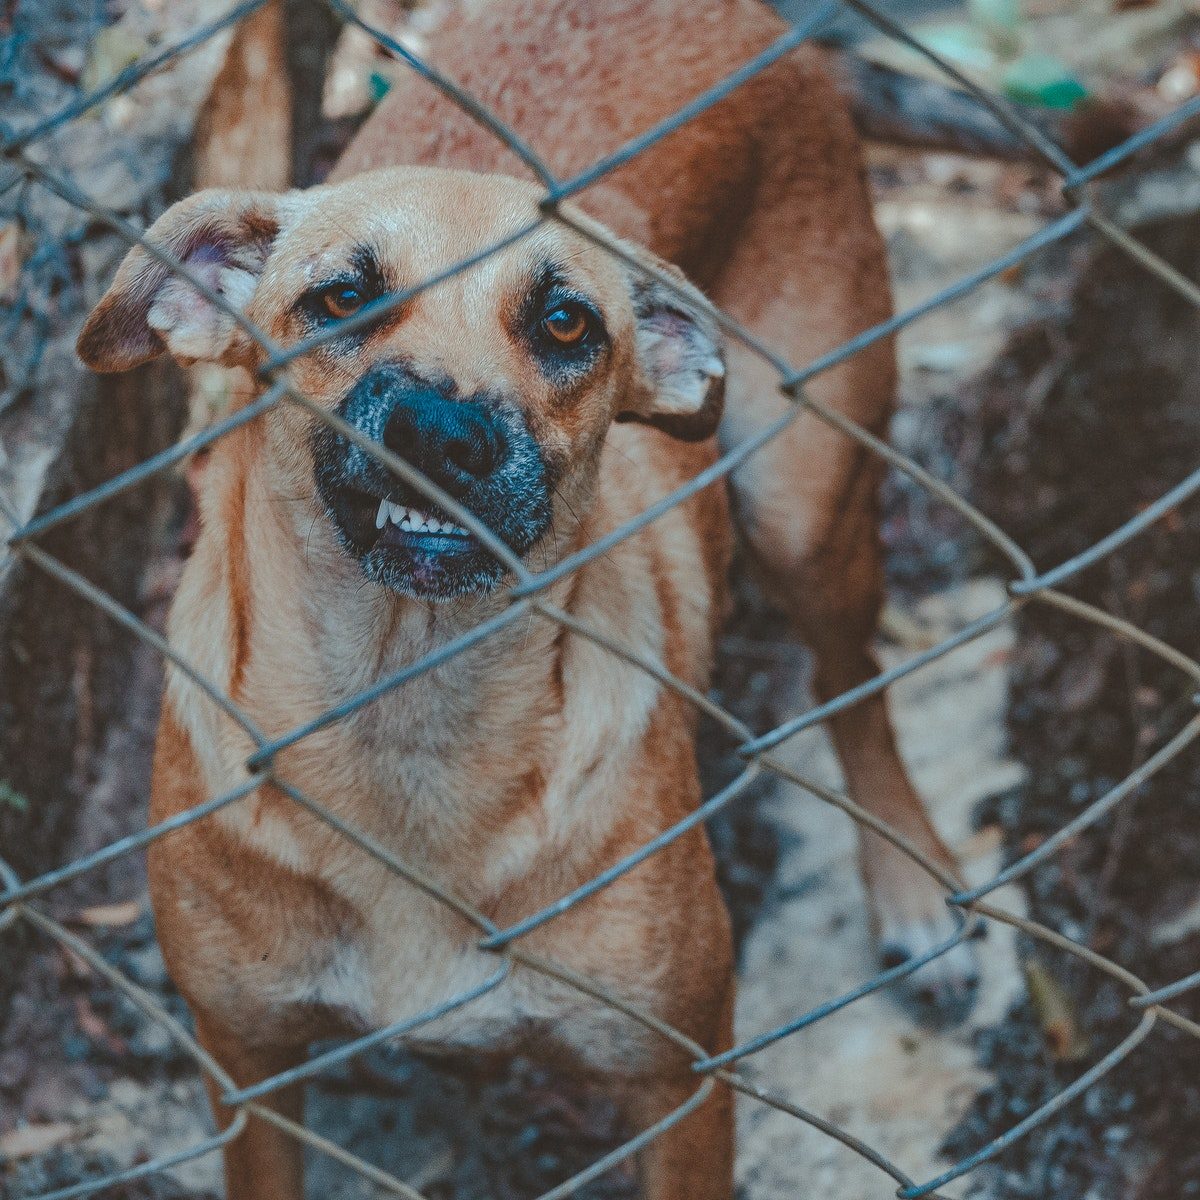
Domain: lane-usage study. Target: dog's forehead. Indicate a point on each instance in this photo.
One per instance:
(421, 222)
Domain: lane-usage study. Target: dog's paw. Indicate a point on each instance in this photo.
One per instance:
(911, 921)
(942, 991)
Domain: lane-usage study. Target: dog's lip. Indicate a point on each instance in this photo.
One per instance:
(392, 537)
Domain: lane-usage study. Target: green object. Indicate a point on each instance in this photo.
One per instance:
(1043, 80)
(380, 86)
(966, 46)
(12, 798)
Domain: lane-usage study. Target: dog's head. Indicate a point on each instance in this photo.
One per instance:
(498, 383)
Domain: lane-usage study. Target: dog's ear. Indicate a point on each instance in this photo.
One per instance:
(679, 350)
(224, 237)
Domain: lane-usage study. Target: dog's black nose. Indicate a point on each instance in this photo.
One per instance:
(455, 443)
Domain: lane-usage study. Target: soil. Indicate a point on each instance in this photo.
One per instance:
(1085, 421)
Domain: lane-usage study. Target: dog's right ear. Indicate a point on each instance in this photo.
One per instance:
(222, 236)
(679, 348)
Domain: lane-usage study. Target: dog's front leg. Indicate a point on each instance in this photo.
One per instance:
(693, 1159)
(263, 1162)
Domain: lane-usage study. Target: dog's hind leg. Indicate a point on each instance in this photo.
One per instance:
(806, 274)
(263, 1162)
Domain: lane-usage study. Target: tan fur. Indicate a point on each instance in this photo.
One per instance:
(761, 200)
(524, 766)
(244, 136)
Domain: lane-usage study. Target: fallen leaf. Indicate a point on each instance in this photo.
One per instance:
(124, 912)
(94, 1027)
(31, 1140)
(1056, 1014)
(74, 965)
(10, 259)
(112, 50)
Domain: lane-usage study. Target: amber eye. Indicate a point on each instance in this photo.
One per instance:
(567, 325)
(342, 300)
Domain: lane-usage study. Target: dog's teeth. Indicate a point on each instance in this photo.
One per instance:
(414, 520)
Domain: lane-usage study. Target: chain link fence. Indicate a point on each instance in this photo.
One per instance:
(526, 596)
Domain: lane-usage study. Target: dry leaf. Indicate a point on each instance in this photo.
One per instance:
(124, 912)
(93, 1026)
(112, 50)
(1056, 1014)
(31, 1140)
(10, 259)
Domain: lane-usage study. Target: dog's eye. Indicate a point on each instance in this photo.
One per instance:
(567, 324)
(342, 300)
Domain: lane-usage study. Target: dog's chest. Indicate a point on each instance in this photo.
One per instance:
(415, 969)
(407, 960)
(469, 775)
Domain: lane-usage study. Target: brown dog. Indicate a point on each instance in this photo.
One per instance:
(555, 392)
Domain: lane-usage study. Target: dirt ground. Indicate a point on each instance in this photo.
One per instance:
(1113, 425)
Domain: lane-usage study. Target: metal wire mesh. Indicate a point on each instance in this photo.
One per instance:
(526, 596)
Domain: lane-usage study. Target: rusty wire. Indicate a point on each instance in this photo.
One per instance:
(527, 597)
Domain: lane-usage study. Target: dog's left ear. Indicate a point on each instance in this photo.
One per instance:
(679, 350)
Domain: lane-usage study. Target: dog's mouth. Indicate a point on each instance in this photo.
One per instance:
(407, 544)
(480, 452)
(402, 525)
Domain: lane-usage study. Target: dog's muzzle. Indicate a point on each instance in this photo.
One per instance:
(478, 450)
